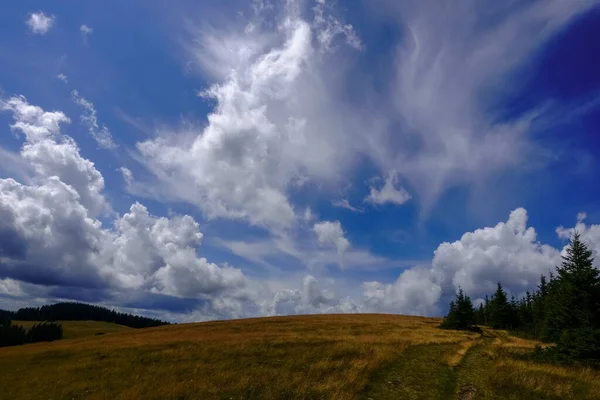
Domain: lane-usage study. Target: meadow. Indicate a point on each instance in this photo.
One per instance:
(302, 357)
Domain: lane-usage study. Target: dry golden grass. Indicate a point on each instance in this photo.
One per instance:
(303, 357)
(329, 356)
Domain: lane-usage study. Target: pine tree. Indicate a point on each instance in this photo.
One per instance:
(500, 310)
(461, 314)
(572, 317)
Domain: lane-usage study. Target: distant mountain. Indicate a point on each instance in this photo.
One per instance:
(70, 311)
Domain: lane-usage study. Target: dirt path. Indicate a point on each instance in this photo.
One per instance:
(482, 369)
(439, 371)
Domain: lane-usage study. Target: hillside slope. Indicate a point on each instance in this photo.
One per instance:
(303, 357)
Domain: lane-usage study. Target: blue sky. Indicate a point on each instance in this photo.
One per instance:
(227, 159)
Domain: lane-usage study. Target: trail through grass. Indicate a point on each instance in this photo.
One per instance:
(488, 368)
(419, 373)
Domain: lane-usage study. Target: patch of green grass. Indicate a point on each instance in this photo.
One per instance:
(420, 372)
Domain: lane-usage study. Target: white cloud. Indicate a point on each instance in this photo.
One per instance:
(329, 27)
(50, 237)
(451, 69)
(590, 234)
(102, 135)
(344, 203)
(279, 112)
(10, 287)
(34, 122)
(388, 193)
(310, 299)
(40, 23)
(52, 154)
(331, 233)
(127, 175)
(413, 293)
(507, 253)
(86, 30)
(62, 77)
(265, 133)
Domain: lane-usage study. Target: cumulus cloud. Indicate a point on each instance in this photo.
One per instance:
(51, 238)
(62, 77)
(590, 234)
(272, 103)
(331, 233)
(52, 154)
(388, 193)
(102, 135)
(311, 298)
(40, 23)
(413, 293)
(508, 252)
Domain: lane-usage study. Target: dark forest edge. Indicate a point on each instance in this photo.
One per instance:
(564, 310)
(11, 335)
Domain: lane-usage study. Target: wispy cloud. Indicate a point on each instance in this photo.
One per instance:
(455, 64)
(89, 118)
(127, 175)
(344, 203)
(86, 31)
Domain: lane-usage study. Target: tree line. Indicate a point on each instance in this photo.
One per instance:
(15, 335)
(70, 311)
(564, 309)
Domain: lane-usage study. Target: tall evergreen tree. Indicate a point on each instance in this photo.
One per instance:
(572, 317)
(500, 309)
(461, 314)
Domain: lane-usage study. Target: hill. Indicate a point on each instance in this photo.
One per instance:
(81, 329)
(302, 357)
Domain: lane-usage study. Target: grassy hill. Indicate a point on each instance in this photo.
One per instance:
(305, 357)
(80, 329)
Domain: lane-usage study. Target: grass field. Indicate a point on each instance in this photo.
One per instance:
(80, 329)
(305, 357)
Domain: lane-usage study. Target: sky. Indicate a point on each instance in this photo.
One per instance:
(226, 159)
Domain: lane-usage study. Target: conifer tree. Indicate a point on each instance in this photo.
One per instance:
(461, 314)
(500, 310)
(572, 317)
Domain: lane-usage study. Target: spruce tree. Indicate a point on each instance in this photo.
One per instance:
(500, 310)
(461, 314)
(572, 317)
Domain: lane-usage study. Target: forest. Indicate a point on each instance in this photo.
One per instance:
(564, 310)
(49, 330)
(15, 335)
